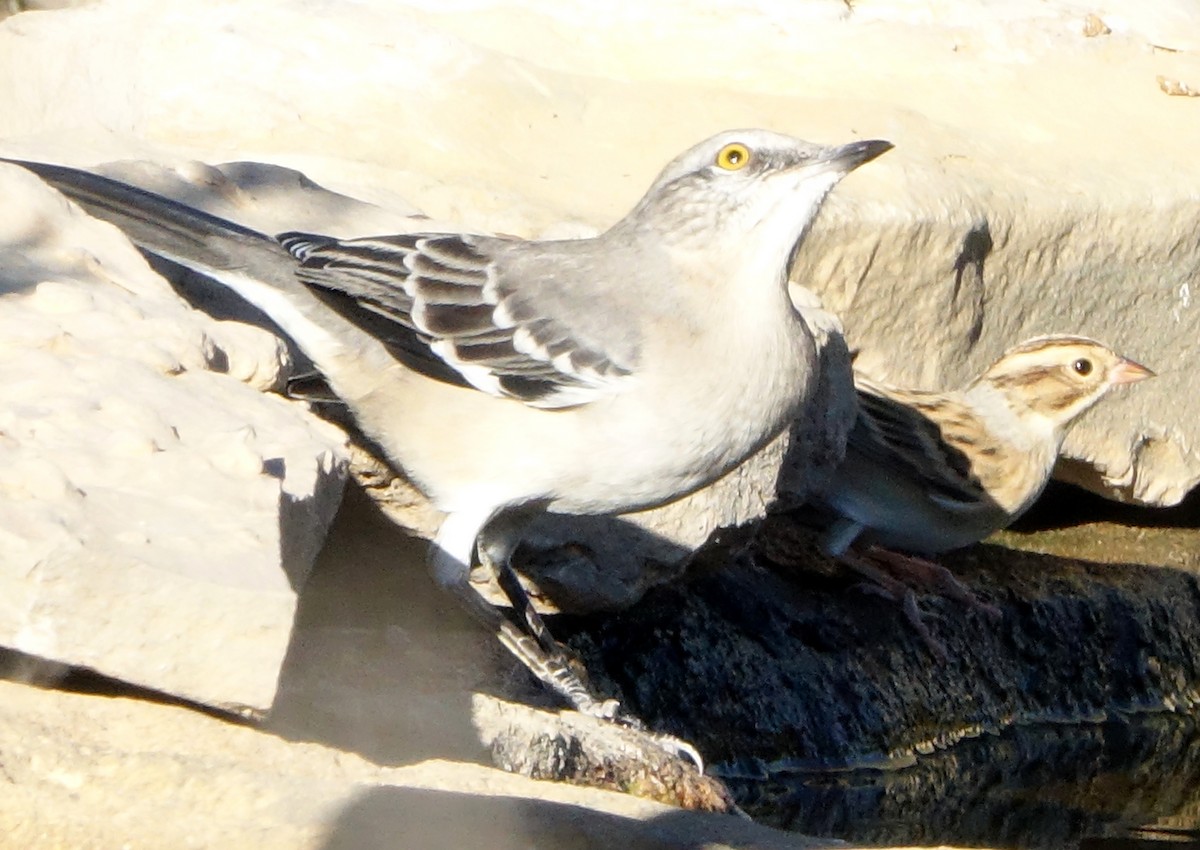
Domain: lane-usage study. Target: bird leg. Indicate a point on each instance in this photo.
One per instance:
(548, 659)
(530, 640)
(933, 576)
(523, 632)
(893, 575)
(882, 584)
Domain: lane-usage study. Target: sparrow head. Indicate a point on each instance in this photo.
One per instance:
(1059, 377)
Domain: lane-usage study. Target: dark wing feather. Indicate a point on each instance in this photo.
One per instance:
(440, 303)
(892, 432)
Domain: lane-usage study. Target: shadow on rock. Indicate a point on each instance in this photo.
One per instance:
(381, 662)
(406, 817)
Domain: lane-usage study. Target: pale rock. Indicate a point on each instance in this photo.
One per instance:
(520, 116)
(1042, 181)
(144, 497)
(90, 772)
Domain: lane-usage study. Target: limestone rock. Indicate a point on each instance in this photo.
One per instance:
(159, 513)
(90, 772)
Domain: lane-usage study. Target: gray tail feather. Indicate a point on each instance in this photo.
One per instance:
(248, 262)
(161, 226)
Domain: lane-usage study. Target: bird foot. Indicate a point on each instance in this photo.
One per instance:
(933, 576)
(894, 591)
(892, 575)
(610, 709)
(676, 747)
(528, 639)
(912, 613)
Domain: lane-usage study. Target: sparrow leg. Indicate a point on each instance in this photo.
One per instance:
(933, 576)
(880, 583)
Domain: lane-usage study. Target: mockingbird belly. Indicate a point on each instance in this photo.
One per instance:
(507, 376)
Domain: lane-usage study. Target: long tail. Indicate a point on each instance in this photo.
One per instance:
(250, 263)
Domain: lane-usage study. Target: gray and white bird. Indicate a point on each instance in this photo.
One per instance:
(926, 472)
(506, 377)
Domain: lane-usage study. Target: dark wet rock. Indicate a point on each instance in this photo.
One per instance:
(770, 659)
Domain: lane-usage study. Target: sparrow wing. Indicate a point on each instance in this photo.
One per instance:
(923, 437)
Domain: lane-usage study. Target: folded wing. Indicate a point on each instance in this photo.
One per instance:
(444, 304)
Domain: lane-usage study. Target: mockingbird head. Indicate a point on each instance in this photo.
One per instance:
(744, 182)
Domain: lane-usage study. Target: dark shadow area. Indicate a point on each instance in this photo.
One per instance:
(1064, 505)
(972, 254)
(39, 672)
(409, 818)
(381, 662)
(219, 302)
(775, 662)
(1146, 839)
(396, 818)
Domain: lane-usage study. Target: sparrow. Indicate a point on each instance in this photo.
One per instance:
(926, 472)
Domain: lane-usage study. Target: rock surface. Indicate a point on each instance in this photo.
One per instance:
(156, 507)
(770, 659)
(985, 226)
(94, 772)
(372, 742)
(373, 736)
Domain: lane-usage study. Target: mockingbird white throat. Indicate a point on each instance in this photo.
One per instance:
(505, 376)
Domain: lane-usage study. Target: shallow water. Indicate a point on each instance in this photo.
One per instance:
(1052, 786)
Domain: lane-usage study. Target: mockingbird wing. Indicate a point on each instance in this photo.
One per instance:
(468, 300)
(480, 311)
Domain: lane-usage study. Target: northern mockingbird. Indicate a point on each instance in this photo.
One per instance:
(505, 376)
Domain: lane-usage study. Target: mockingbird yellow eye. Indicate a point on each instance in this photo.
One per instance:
(733, 157)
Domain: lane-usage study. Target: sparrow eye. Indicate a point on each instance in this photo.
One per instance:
(1082, 366)
(733, 157)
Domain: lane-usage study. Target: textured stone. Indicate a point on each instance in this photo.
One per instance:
(383, 670)
(91, 772)
(159, 512)
(1014, 204)
(1011, 206)
(770, 660)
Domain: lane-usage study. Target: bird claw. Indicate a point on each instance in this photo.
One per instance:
(929, 574)
(609, 709)
(912, 613)
(673, 746)
(531, 642)
(677, 747)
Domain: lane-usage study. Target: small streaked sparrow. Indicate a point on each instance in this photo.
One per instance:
(926, 472)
